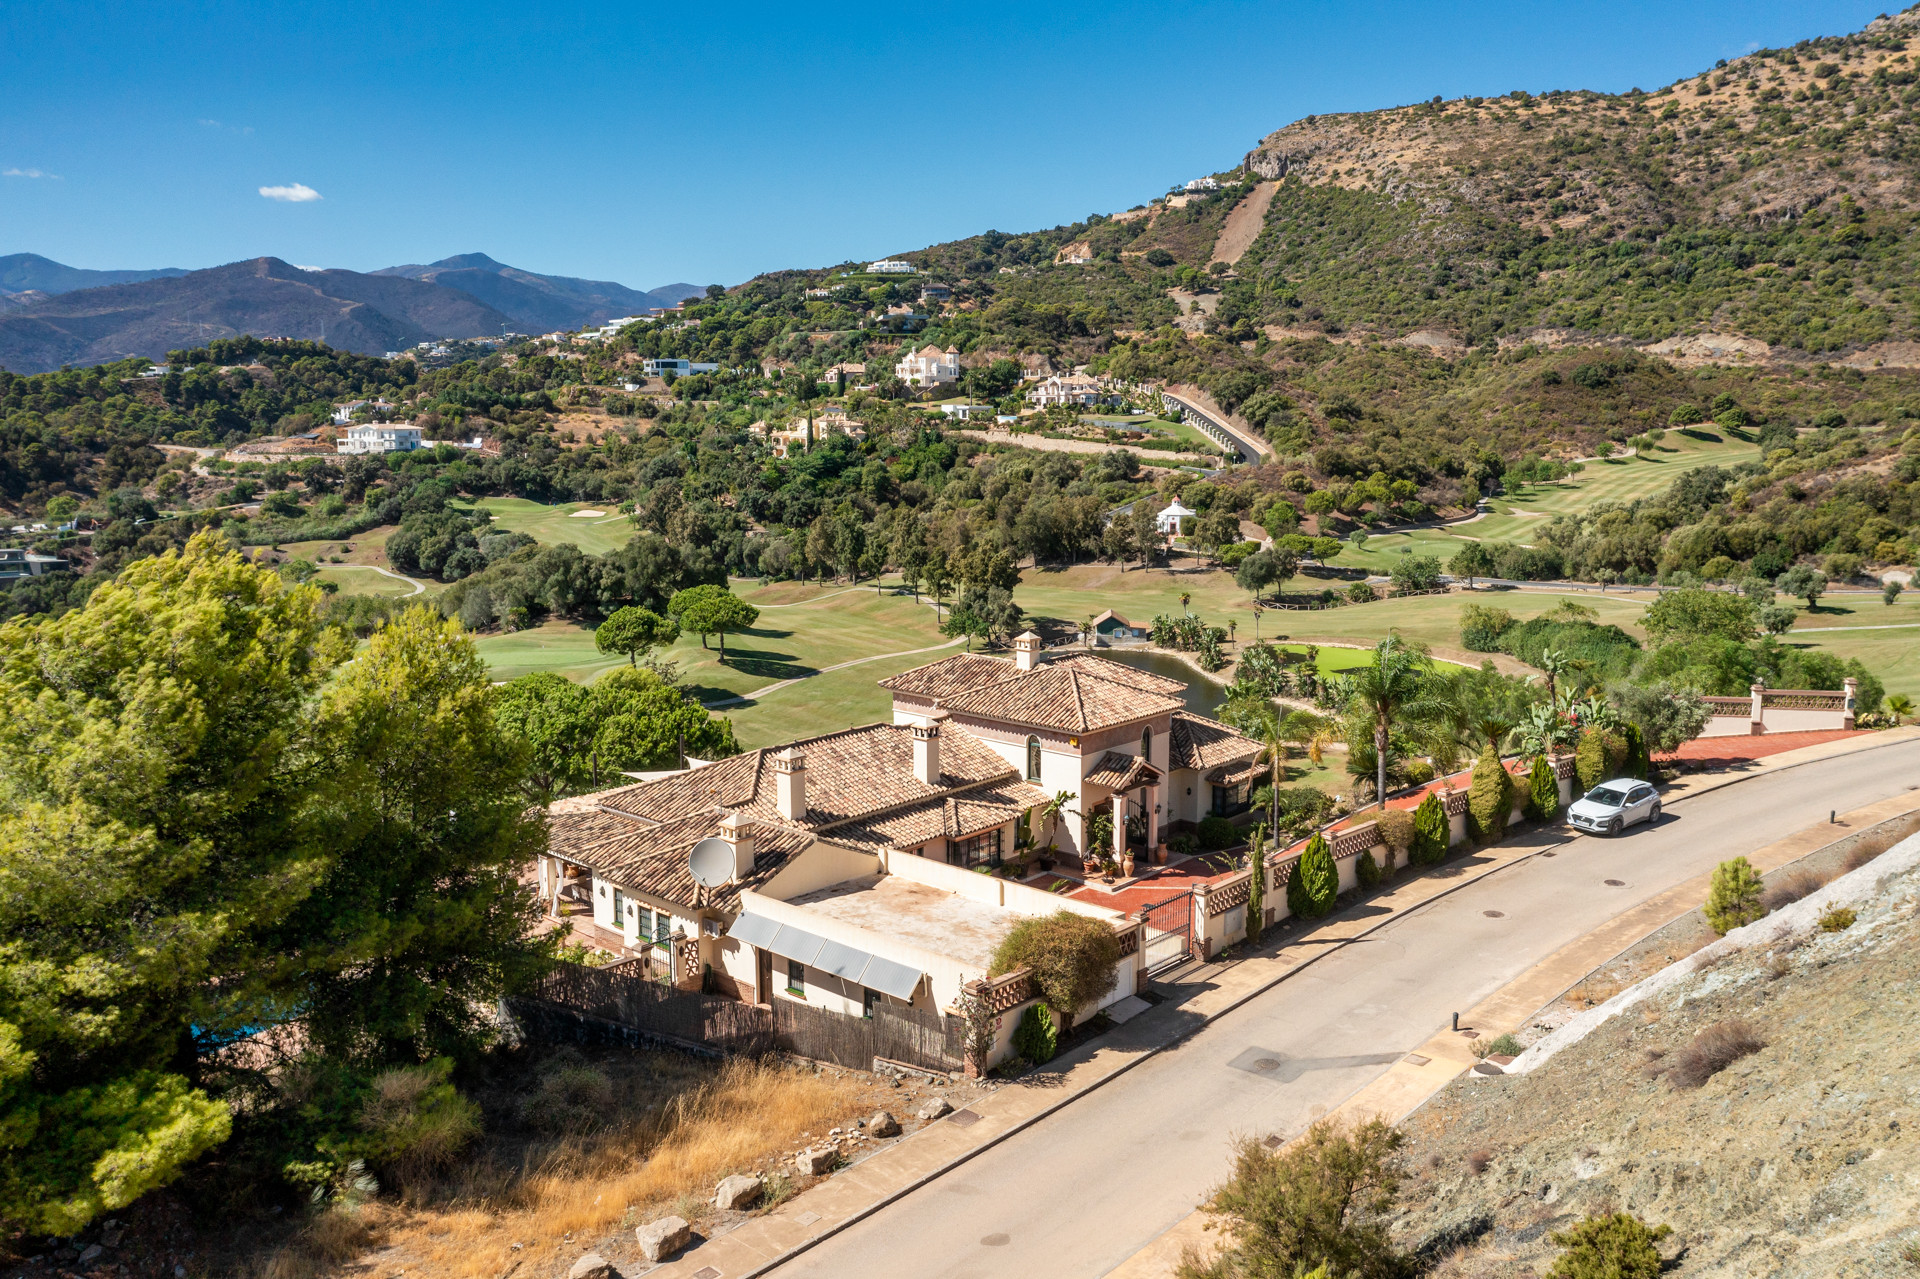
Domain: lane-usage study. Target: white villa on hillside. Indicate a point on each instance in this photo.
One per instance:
(929, 366)
(869, 839)
(890, 266)
(1168, 521)
(1071, 388)
(379, 437)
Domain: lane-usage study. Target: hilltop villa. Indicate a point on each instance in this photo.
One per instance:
(879, 829)
(929, 366)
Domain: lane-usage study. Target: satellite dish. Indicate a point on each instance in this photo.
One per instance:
(711, 863)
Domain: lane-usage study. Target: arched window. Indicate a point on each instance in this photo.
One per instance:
(1146, 743)
(1033, 759)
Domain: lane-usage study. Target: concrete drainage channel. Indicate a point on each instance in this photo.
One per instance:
(1047, 1112)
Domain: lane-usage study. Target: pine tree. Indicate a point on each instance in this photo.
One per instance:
(1431, 834)
(1257, 884)
(1315, 882)
(1489, 798)
(1733, 900)
(1543, 791)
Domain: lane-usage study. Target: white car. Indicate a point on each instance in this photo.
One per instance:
(1611, 807)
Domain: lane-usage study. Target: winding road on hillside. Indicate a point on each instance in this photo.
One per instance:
(1082, 1190)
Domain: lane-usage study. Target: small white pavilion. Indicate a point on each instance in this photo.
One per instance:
(1168, 521)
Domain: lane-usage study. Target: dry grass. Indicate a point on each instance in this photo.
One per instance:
(1479, 1161)
(1712, 1051)
(1790, 888)
(681, 1126)
(335, 1236)
(1595, 991)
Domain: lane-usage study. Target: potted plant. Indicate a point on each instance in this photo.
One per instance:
(1126, 866)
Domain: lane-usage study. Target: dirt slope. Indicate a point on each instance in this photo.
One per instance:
(1244, 224)
(1799, 1161)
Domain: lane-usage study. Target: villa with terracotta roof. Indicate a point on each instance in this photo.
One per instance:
(978, 744)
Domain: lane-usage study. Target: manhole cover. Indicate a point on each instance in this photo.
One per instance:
(963, 1118)
(1274, 1142)
(1549, 854)
(1260, 1061)
(1616, 883)
(1494, 914)
(995, 1240)
(706, 1272)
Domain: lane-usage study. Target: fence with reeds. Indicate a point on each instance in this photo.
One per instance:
(624, 997)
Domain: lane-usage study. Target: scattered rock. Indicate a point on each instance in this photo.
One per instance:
(593, 1266)
(934, 1109)
(93, 1251)
(661, 1239)
(883, 1125)
(815, 1162)
(735, 1193)
(111, 1235)
(515, 1247)
(179, 1272)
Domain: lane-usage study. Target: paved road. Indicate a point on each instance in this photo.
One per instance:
(1078, 1193)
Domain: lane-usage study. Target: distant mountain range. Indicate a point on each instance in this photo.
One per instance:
(53, 315)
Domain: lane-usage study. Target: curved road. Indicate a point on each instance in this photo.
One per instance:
(1081, 1191)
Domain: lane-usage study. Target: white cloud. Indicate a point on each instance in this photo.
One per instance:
(27, 173)
(298, 267)
(292, 193)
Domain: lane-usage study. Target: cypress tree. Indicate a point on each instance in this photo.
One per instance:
(1489, 798)
(1543, 791)
(1257, 884)
(1315, 882)
(1430, 832)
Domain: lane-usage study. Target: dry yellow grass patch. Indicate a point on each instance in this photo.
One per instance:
(667, 1155)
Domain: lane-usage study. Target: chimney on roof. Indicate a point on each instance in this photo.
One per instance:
(1026, 651)
(790, 784)
(926, 748)
(739, 837)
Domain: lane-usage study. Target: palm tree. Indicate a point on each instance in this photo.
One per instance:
(1901, 705)
(1051, 810)
(1263, 720)
(1184, 597)
(1397, 689)
(1555, 664)
(1086, 630)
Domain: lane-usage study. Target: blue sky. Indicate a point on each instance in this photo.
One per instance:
(649, 143)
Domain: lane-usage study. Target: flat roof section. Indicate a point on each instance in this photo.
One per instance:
(942, 923)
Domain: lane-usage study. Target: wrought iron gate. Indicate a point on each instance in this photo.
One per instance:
(1169, 931)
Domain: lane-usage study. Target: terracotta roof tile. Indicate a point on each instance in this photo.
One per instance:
(1202, 743)
(651, 857)
(854, 774)
(1119, 771)
(1062, 698)
(957, 674)
(951, 818)
(1120, 672)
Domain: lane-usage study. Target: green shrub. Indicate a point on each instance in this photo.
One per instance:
(1489, 798)
(1616, 1246)
(1315, 882)
(1317, 1205)
(1036, 1037)
(1481, 627)
(1396, 831)
(416, 1122)
(1543, 791)
(1637, 762)
(1367, 869)
(1734, 899)
(1217, 832)
(1602, 754)
(1431, 833)
(1505, 1046)
(1837, 920)
(1072, 958)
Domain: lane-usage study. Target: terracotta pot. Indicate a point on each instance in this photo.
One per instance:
(1126, 867)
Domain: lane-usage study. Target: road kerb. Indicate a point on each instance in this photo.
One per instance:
(1421, 1075)
(800, 1238)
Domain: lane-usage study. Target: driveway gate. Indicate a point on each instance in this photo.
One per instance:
(1169, 931)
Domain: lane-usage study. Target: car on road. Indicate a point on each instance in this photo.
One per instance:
(1611, 807)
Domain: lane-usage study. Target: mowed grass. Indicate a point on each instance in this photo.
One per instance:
(554, 525)
(362, 580)
(802, 630)
(1526, 508)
